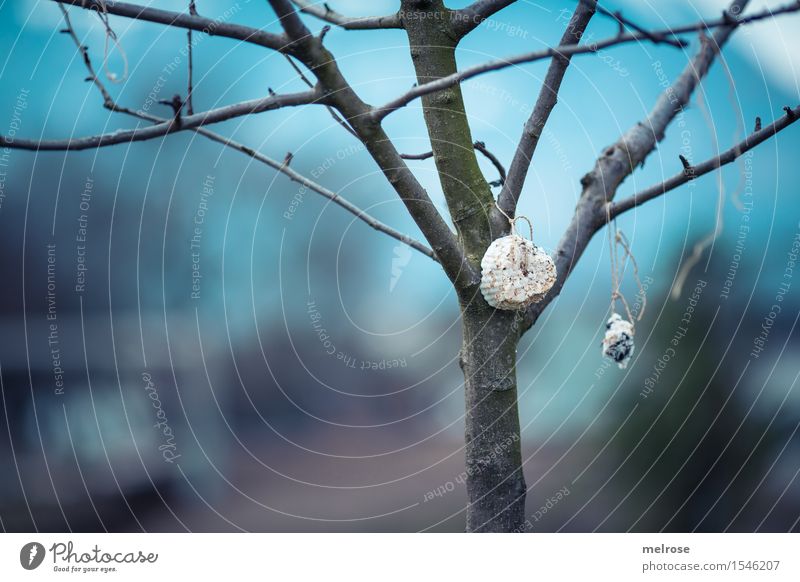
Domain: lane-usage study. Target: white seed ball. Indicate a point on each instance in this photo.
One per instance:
(515, 273)
(618, 341)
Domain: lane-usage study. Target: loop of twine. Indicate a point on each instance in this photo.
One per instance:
(618, 270)
(526, 219)
(111, 35)
(513, 221)
(523, 260)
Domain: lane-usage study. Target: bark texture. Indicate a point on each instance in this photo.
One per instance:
(433, 43)
(495, 481)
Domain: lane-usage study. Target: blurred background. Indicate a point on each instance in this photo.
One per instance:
(190, 341)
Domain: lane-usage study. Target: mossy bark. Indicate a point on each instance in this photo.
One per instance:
(495, 482)
(469, 198)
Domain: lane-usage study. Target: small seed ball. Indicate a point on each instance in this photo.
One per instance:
(618, 341)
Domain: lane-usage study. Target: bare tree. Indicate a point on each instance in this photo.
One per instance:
(495, 484)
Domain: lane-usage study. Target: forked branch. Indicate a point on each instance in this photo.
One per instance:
(179, 123)
(696, 170)
(727, 22)
(282, 167)
(618, 161)
(625, 23)
(467, 19)
(317, 59)
(331, 89)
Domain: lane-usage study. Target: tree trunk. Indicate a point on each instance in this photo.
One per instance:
(495, 481)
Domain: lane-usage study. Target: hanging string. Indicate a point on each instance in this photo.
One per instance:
(526, 219)
(617, 241)
(734, 102)
(523, 255)
(616, 272)
(512, 221)
(612, 247)
(622, 241)
(709, 238)
(111, 37)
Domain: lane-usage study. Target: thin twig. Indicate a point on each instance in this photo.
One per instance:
(189, 89)
(479, 146)
(327, 14)
(284, 168)
(336, 117)
(687, 167)
(422, 156)
(108, 102)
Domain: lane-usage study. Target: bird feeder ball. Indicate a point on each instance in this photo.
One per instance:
(618, 341)
(515, 273)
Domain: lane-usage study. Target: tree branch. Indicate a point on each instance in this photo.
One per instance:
(322, 190)
(627, 23)
(181, 20)
(430, 222)
(189, 62)
(726, 22)
(619, 160)
(498, 165)
(109, 103)
(313, 54)
(695, 171)
(169, 126)
(548, 97)
(468, 19)
(325, 13)
(479, 146)
(330, 109)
